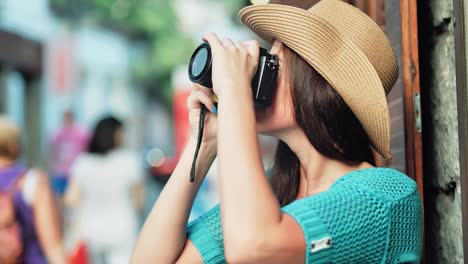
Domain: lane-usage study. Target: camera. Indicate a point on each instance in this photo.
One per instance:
(263, 83)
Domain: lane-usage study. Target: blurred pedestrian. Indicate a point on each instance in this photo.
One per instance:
(66, 144)
(33, 202)
(107, 191)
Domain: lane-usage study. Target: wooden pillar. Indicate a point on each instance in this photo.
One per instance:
(410, 70)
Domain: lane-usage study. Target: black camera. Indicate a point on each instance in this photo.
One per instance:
(263, 83)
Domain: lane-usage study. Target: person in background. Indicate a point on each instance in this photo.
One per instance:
(35, 208)
(66, 144)
(107, 192)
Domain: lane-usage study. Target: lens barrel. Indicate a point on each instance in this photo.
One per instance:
(200, 66)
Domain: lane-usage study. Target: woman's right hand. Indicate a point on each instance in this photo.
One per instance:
(199, 97)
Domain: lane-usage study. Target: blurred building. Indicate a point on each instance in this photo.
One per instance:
(49, 66)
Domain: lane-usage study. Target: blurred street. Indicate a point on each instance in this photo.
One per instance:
(65, 65)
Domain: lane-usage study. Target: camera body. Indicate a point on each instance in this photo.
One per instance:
(263, 82)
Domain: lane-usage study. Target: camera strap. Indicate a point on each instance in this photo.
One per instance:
(201, 127)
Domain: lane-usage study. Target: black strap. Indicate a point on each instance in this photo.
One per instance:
(201, 126)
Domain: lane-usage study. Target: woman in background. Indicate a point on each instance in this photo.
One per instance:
(106, 189)
(35, 208)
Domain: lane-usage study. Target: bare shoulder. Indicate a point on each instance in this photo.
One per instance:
(37, 177)
(33, 173)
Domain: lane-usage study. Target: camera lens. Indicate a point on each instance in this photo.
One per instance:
(199, 62)
(200, 66)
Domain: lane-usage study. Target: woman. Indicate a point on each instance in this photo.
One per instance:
(35, 208)
(106, 190)
(327, 202)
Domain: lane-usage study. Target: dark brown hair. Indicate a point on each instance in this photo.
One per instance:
(329, 124)
(103, 139)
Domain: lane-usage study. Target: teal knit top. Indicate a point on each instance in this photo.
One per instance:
(367, 216)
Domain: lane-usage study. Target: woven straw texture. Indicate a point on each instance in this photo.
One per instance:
(346, 47)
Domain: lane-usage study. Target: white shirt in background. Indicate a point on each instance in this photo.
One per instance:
(107, 216)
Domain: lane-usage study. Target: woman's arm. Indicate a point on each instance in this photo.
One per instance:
(254, 228)
(47, 222)
(163, 236)
(71, 198)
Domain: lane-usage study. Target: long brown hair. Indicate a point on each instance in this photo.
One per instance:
(104, 139)
(329, 124)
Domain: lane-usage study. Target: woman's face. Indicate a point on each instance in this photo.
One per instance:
(279, 117)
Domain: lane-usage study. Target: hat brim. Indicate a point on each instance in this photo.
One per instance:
(336, 58)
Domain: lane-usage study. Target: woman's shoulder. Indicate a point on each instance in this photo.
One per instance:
(387, 183)
(383, 184)
(359, 213)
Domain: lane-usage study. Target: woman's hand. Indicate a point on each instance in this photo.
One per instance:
(199, 97)
(234, 65)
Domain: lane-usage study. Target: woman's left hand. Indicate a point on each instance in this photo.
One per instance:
(234, 65)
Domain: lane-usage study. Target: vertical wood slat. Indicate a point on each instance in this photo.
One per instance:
(372, 7)
(410, 65)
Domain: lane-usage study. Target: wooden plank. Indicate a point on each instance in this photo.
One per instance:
(372, 10)
(410, 69)
(410, 65)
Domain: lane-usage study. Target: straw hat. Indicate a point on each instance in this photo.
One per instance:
(346, 47)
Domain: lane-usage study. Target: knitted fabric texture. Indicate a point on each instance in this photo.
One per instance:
(367, 216)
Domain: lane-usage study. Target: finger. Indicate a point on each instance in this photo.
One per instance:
(228, 43)
(198, 87)
(209, 92)
(253, 47)
(213, 40)
(198, 98)
(192, 101)
(240, 46)
(205, 99)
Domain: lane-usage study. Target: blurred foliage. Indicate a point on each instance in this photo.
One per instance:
(153, 22)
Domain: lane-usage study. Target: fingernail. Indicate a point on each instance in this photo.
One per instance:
(214, 110)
